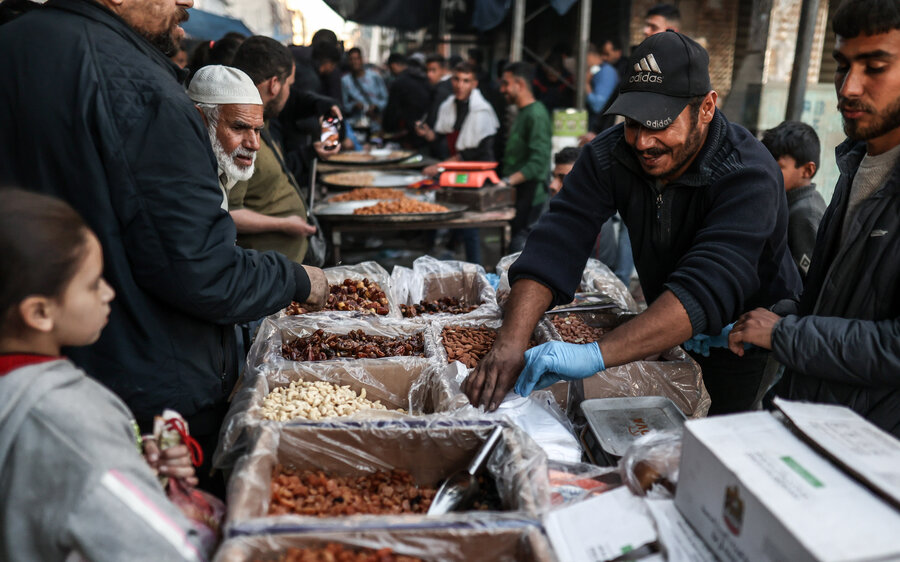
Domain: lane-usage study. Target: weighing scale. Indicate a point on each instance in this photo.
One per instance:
(467, 174)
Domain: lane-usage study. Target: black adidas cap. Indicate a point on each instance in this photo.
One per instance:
(667, 70)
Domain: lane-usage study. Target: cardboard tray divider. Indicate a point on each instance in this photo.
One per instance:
(430, 449)
(459, 542)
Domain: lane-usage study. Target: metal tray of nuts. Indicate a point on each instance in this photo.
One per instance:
(344, 211)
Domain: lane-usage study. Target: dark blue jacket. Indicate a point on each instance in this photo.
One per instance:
(841, 342)
(716, 236)
(92, 113)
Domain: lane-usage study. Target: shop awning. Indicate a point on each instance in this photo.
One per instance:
(400, 14)
(205, 25)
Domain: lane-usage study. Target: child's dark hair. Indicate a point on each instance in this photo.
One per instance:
(42, 241)
(795, 139)
(568, 155)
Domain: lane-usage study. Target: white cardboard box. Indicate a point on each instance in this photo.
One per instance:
(754, 491)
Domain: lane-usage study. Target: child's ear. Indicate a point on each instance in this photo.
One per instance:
(37, 313)
(809, 170)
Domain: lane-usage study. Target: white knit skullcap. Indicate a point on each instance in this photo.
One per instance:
(217, 85)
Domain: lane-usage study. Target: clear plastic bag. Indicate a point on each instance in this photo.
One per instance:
(431, 449)
(517, 541)
(596, 278)
(650, 465)
(538, 415)
(366, 270)
(673, 374)
(574, 482)
(431, 279)
(266, 350)
(395, 384)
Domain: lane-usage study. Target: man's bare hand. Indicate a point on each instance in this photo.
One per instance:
(174, 462)
(495, 375)
(754, 327)
(318, 288)
(323, 152)
(295, 225)
(336, 112)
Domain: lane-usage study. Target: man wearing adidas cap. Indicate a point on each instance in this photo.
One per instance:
(704, 204)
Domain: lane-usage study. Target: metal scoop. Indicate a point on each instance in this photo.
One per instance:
(462, 485)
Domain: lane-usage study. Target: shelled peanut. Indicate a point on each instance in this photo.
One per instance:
(450, 305)
(469, 345)
(350, 295)
(314, 400)
(317, 494)
(363, 193)
(356, 344)
(573, 329)
(334, 552)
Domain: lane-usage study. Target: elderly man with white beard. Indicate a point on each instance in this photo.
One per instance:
(232, 110)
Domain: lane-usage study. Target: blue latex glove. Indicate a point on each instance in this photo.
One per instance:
(555, 361)
(701, 342)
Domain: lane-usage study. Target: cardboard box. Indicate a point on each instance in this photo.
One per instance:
(430, 450)
(482, 199)
(522, 543)
(396, 384)
(755, 491)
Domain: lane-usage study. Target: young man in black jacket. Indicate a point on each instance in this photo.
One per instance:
(97, 116)
(703, 202)
(840, 343)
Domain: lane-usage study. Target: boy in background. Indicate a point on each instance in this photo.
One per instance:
(795, 146)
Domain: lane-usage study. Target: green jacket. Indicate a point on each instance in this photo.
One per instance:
(528, 148)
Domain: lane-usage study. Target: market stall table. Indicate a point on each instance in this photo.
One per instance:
(497, 218)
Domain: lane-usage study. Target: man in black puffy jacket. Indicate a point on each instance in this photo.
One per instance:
(840, 343)
(706, 211)
(92, 111)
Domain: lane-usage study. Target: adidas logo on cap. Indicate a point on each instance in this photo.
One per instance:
(647, 70)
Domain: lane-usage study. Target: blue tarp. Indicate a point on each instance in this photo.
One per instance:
(204, 25)
(489, 14)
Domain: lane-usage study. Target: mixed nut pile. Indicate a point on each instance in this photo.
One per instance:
(316, 494)
(469, 345)
(322, 346)
(450, 305)
(315, 400)
(351, 295)
(573, 329)
(334, 552)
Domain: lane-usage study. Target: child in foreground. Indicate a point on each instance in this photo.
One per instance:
(73, 482)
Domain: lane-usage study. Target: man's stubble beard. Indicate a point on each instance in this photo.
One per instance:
(885, 122)
(166, 41)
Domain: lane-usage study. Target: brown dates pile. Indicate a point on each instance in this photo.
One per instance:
(317, 494)
(334, 552)
(573, 329)
(322, 346)
(451, 305)
(469, 345)
(351, 295)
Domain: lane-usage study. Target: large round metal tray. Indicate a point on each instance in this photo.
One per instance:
(380, 178)
(375, 156)
(344, 211)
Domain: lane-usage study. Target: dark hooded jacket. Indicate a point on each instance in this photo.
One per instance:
(716, 236)
(92, 113)
(841, 342)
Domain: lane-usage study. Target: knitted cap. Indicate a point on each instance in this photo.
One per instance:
(217, 84)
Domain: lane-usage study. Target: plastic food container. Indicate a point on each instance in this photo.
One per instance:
(615, 423)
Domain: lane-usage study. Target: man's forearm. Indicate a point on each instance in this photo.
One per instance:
(251, 222)
(663, 325)
(528, 300)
